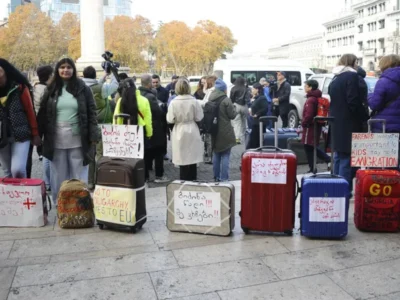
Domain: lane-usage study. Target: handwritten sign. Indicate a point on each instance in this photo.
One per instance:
(21, 206)
(197, 208)
(380, 214)
(326, 209)
(115, 205)
(123, 141)
(375, 150)
(272, 171)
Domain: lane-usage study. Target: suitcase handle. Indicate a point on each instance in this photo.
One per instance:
(268, 118)
(324, 176)
(370, 121)
(124, 116)
(11, 180)
(330, 121)
(269, 148)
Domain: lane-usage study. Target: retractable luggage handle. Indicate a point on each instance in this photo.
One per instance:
(275, 120)
(370, 121)
(124, 116)
(330, 121)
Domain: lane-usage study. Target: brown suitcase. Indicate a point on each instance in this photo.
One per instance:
(119, 197)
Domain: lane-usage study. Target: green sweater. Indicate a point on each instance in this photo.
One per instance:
(67, 108)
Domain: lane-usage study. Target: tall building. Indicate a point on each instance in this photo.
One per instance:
(57, 8)
(15, 3)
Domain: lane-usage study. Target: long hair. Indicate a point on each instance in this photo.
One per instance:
(13, 74)
(348, 60)
(129, 103)
(57, 83)
(240, 81)
(200, 85)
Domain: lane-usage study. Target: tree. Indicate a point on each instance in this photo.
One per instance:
(127, 38)
(28, 40)
(68, 32)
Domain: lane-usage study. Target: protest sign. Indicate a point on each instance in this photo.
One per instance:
(21, 206)
(197, 208)
(273, 171)
(125, 141)
(375, 150)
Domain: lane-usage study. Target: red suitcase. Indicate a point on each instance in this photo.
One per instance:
(377, 199)
(268, 188)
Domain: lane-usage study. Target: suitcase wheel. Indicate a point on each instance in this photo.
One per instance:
(133, 229)
(101, 226)
(288, 232)
(245, 230)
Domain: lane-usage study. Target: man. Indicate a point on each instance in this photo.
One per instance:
(173, 80)
(101, 93)
(162, 93)
(267, 93)
(282, 99)
(157, 145)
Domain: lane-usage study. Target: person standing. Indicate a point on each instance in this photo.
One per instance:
(18, 121)
(67, 119)
(169, 86)
(199, 94)
(223, 142)
(282, 99)
(184, 112)
(240, 96)
(156, 147)
(309, 112)
(44, 73)
(162, 93)
(348, 109)
(259, 108)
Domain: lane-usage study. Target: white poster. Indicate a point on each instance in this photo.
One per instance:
(327, 209)
(265, 170)
(197, 208)
(125, 141)
(21, 206)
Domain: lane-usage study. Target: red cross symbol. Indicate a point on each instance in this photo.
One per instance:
(28, 204)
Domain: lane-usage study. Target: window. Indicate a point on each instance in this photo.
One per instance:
(360, 46)
(326, 85)
(352, 40)
(360, 28)
(382, 43)
(250, 76)
(381, 24)
(308, 76)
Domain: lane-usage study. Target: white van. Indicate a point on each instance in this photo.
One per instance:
(255, 69)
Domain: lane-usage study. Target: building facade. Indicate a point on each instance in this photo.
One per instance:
(15, 3)
(57, 8)
(306, 50)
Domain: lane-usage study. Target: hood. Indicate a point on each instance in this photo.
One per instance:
(144, 89)
(342, 69)
(216, 95)
(392, 74)
(315, 93)
(361, 72)
(89, 81)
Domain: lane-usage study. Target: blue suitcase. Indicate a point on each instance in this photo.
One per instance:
(324, 204)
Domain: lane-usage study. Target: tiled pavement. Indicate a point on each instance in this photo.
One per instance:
(52, 263)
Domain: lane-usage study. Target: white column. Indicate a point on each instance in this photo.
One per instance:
(92, 33)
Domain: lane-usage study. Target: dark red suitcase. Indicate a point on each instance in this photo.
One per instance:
(268, 188)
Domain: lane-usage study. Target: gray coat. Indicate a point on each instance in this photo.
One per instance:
(225, 138)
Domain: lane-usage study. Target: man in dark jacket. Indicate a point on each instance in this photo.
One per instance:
(282, 99)
(156, 146)
(162, 93)
(169, 86)
(223, 142)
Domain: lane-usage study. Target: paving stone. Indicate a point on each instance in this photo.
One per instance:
(5, 248)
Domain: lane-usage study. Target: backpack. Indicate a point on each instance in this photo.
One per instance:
(211, 116)
(323, 109)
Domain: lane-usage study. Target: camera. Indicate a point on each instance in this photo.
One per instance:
(108, 65)
(273, 86)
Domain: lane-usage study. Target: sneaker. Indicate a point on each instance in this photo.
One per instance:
(163, 179)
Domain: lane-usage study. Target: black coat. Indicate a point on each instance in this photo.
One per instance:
(159, 119)
(259, 107)
(283, 94)
(47, 118)
(162, 94)
(240, 95)
(347, 108)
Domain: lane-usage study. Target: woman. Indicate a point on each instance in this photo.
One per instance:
(259, 108)
(18, 121)
(67, 117)
(44, 73)
(199, 94)
(385, 101)
(187, 147)
(135, 105)
(240, 97)
(348, 109)
(309, 112)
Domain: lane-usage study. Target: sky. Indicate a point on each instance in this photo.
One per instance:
(256, 24)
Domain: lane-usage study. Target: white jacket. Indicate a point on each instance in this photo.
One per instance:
(38, 91)
(187, 146)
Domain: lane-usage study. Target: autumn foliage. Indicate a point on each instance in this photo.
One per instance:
(31, 39)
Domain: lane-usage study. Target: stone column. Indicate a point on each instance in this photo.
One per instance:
(92, 34)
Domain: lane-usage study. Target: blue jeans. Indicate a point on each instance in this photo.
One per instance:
(221, 165)
(342, 167)
(13, 159)
(46, 172)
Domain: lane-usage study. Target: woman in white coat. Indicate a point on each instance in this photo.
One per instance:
(187, 146)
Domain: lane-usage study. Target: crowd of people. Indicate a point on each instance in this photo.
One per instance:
(61, 114)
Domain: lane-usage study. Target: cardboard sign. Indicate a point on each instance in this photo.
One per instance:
(21, 206)
(197, 208)
(125, 141)
(273, 171)
(375, 150)
(115, 205)
(327, 209)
